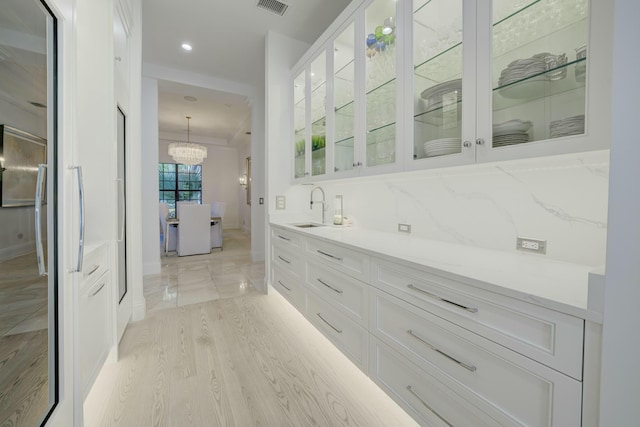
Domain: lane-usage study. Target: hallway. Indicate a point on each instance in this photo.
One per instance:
(237, 358)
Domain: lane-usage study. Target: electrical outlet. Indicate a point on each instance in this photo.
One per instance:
(281, 203)
(404, 228)
(531, 245)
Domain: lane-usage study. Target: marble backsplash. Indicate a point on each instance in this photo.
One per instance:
(560, 199)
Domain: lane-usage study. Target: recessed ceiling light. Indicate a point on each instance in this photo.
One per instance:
(190, 98)
(187, 46)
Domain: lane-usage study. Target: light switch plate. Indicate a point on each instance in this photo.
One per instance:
(281, 203)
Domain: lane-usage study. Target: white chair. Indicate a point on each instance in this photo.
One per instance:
(171, 245)
(180, 204)
(195, 221)
(217, 210)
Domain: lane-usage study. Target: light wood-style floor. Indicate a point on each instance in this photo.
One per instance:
(250, 360)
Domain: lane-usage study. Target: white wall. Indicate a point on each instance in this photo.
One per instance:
(620, 379)
(220, 173)
(149, 172)
(244, 209)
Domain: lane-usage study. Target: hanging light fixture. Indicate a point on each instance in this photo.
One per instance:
(186, 152)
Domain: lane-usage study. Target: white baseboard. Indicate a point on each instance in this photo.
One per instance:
(16, 250)
(139, 310)
(257, 256)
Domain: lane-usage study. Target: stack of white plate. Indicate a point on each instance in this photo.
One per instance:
(435, 94)
(442, 147)
(511, 132)
(568, 126)
(522, 68)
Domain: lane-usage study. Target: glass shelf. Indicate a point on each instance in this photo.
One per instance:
(537, 86)
(346, 142)
(438, 67)
(529, 21)
(377, 131)
(437, 28)
(433, 116)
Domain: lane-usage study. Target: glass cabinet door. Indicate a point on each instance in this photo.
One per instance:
(437, 78)
(299, 125)
(380, 82)
(539, 70)
(318, 114)
(344, 88)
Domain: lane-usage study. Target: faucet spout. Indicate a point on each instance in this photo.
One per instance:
(318, 201)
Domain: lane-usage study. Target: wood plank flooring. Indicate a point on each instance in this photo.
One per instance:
(250, 360)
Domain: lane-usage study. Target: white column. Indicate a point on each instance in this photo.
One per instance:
(620, 379)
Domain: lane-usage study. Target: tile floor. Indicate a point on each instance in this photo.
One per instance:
(199, 278)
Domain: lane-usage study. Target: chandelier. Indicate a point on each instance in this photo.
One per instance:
(186, 152)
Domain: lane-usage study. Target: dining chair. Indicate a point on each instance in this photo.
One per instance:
(193, 236)
(217, 210)
(171, 233)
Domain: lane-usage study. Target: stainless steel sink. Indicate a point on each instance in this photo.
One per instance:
(308, 225)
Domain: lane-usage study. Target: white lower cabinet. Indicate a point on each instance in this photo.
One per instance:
(525, 392)
(448, 352)
(347, 335)
(432, 401)
(290, 287)
(94, 328)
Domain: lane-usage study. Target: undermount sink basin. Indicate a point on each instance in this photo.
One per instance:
(308, 225)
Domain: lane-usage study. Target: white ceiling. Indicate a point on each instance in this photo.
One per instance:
(228, 39)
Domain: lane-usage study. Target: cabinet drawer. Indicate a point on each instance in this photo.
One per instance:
(94, 330)
(430, 400)
(527, 392)
(291, 288)
(95, 263)
(550, 337)
(344, 292)
(286, 238)
(348, 261)
(287, 260)
(349, 337)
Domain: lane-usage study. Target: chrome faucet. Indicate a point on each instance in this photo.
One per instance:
(318, 201)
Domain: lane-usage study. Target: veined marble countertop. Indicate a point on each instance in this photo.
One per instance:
(557, 285)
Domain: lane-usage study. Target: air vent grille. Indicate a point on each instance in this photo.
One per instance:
(273, 6)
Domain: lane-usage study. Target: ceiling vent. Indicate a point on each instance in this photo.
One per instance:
(273, 6)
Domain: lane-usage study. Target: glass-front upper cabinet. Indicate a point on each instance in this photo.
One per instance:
(318, 78)
(437, 79)
(538, 72)
(299, 125)
(382, 47)
(344, 92)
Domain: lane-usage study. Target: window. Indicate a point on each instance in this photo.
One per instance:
(179, 183)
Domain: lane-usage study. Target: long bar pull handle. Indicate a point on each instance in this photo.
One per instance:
(284, 238)
(437, 350)
(329, 286)
(327, 322)
(39, 251)
(410, 390)
(284, 259)
(121, 207)
(434, 296)
(329, 255)
(284, 286)
(98, 290)
(82, 219)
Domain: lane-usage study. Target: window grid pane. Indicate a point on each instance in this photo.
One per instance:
(179, 183)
